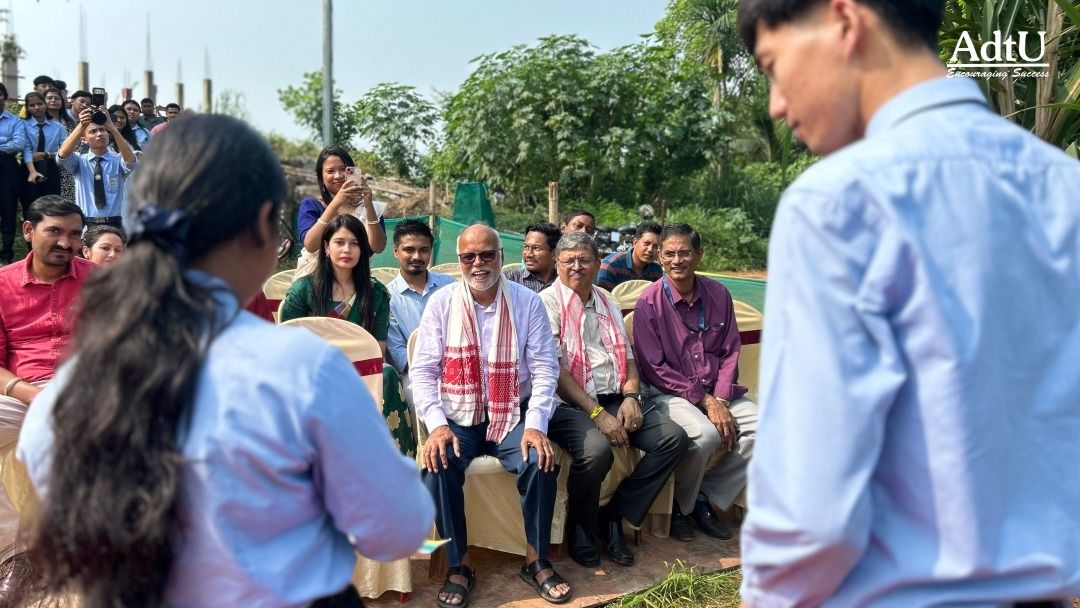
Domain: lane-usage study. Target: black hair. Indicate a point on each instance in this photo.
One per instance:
(412, 227)
(142, 331)
(146, 99)
(95, 232)
(326, 153)
(127, 101)
(172, 105)
(322, 280)
(127, 133)
(26, 100)
(645, 227)
(61, 116)
(60, 84)
(913, 22)
(3, 90)
(52, 205)
(681, 230)
(43, 79)
(81, 93)
(571, 214)
(550, 231)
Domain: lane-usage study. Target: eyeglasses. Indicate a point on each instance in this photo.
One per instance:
(583, 262)
(674, 255)
(485, 256)
(534, 249)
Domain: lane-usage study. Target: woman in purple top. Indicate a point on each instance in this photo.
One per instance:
(340, 195)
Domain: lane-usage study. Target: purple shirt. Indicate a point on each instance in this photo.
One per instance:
(677, 359)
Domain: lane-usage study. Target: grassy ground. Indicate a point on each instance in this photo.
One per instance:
(684, 588)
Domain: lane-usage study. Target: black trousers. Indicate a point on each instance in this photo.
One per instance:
(28, 193)
(663, 441)
(9, 194)
(348, 598)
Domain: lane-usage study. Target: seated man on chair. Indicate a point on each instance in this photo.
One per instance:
(537, 270)
(637, 264)
(687, 343)
(35, 322)
(411, 289)
(599, 382)
(484, 374)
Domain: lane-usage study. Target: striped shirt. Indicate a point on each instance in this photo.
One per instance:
(619, 268)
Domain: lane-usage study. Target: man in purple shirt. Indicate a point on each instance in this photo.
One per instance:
(687, 347)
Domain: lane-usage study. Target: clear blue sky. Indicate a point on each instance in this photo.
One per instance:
(258, 47)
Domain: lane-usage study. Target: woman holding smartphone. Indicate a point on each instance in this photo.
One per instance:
(340, 193)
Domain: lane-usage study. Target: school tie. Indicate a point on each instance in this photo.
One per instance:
(40, 137)
(99, 184)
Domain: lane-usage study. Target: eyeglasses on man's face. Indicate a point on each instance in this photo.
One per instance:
(669, 256)
(485, 256)
(582, 262)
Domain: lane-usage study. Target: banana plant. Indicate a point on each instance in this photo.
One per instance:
(1047, 104)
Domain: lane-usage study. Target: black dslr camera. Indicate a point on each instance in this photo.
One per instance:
(97, 102)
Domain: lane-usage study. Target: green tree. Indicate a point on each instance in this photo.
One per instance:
(399, 122)
(620, 126)
(305, 104)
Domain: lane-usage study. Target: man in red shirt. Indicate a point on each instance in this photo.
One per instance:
(35, 321)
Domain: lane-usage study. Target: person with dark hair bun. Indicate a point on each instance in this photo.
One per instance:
(338, 194)
(215, 459)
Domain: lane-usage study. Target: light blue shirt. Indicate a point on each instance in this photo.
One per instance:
(919, 433)
(115, 172)
(12, 133)
(55, 133)
(288, 457)
(406, 307)
(142, 134)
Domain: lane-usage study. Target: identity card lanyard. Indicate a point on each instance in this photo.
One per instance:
(701, 311)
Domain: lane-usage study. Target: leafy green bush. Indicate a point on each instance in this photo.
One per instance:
(729, 237)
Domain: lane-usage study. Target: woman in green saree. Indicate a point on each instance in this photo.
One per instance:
(342, 287)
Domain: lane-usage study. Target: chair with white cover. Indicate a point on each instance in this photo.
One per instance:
(627, 294)
(371, 578)
(492, 502)
(512, 266)
(384, 274)
(451, 268)
(276, 287)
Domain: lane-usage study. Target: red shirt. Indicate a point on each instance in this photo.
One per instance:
(35, 317)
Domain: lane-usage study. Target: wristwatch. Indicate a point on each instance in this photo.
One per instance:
(634, 396)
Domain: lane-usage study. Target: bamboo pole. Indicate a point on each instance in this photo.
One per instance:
(553, 202)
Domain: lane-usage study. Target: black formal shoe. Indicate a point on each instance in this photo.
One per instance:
(680, 526)
(704, 518)
(582, 549)
(611, 538)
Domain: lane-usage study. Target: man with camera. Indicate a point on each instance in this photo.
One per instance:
(100, 174)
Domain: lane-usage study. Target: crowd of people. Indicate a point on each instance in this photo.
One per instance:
(55, 144)
(918, 436)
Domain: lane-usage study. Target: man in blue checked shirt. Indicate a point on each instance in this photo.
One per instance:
(12, 142)
(410, 290)
(100, 174)
(917, 443)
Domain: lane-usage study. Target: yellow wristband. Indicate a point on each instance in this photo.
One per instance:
(11, 384)
(596, 412)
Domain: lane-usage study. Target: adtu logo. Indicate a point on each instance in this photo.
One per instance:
(998, 57)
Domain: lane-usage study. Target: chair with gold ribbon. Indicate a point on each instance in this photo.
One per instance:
(371, 578)
(627, 294)
(275, 289)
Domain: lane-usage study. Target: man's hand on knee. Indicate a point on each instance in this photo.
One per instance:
(435, 448)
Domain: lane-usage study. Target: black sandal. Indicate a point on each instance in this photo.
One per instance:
(528, 574)
(455, 588)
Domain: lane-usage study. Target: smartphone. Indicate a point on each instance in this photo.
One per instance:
(97, 97)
